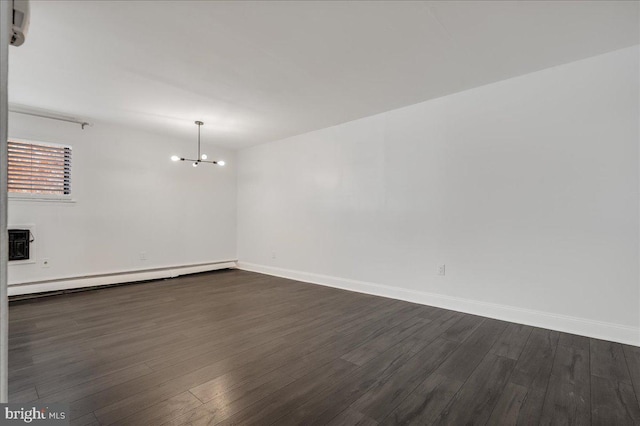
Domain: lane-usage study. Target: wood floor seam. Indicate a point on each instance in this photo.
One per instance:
(634, 384)
(236, 347)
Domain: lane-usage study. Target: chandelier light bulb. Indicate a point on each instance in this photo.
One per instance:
(175, 158)
(195, 164)
(221, 163)
(203, 156)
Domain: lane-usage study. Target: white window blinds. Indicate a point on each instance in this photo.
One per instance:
(39, 169)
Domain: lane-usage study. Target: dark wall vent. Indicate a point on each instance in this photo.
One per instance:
(19, 240)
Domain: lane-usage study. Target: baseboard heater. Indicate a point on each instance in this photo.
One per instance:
(115, 278)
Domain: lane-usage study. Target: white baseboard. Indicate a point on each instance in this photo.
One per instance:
(581, 326)
(115, 278)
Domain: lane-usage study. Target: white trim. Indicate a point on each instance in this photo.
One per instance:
(41, 198)
(115, 278)
(581, 326)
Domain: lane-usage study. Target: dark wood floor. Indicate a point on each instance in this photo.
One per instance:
(237, 348)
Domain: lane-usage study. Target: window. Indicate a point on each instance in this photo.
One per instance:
(36, 168)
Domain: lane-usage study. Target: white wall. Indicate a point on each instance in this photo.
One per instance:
(129, 198)
(527, 189)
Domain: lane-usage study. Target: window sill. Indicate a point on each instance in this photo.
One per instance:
(32, 198)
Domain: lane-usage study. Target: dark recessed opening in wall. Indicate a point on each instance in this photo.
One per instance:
(19, 240)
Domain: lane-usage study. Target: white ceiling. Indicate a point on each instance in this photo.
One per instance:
(260, 71)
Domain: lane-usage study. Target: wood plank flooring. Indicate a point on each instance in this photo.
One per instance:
(239, 348)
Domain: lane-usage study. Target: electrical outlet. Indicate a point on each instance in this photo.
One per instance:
(45, 262)
(143, 255)
(441, 269)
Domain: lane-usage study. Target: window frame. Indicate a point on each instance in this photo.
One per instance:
(27, 196)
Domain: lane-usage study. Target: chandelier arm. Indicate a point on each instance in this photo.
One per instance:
(200, 161)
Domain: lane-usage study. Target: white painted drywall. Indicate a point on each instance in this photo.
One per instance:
(129, 198)
(526, 189)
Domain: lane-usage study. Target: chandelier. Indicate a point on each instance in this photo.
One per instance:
(201, 158)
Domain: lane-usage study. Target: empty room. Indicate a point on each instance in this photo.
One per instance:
(319, 213)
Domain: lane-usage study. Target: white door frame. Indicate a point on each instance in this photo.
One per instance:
(6, 19)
